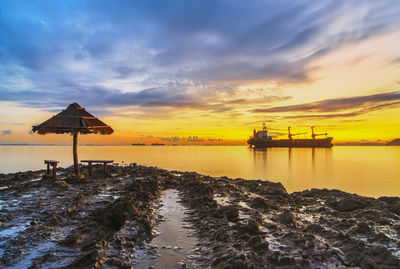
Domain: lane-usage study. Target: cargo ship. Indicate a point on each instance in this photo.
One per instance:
(261, 139)
(157, 144)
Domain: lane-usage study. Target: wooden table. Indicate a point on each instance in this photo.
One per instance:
(104, 162)
(54, 164)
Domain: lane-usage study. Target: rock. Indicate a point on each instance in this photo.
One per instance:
(349, 204)
(182, 265)
(231, 212)
(287, 218)
(382, 255)
(286, 261)
(368, 262)
(252, 227)
(258, 244)
(363, 228)
(259, 203)
(62, 184)
(270, 225)
(314, 229)
(221, 235)
(114, 217)
(254, 240)
(238, 263)
(238, 245)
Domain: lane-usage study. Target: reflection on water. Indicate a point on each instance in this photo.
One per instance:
(371, 171)
(304, 167)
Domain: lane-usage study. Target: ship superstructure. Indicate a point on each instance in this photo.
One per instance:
(262, 139)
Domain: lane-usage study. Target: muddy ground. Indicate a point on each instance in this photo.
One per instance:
(237, 223)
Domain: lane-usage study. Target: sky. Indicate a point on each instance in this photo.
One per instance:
(201, 72)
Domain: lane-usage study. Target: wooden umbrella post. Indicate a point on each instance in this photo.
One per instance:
(73, 120)
(75, 152)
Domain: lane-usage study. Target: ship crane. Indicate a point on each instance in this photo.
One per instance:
(313, 135)
(291, 135)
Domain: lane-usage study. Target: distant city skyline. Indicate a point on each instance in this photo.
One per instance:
(210, 70)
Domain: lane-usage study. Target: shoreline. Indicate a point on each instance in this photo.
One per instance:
(238, 222)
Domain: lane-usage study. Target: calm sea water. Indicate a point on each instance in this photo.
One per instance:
(370, 171)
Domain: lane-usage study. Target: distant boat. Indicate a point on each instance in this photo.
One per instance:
(261, 139)
(138, 144)
(394, 142)
(157, 144)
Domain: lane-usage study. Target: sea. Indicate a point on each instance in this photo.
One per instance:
(372, 171)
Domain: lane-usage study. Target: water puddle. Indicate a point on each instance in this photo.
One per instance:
(174, 246)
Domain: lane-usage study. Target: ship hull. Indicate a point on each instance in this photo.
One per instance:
(286, 143)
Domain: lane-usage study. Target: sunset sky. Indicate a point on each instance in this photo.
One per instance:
(185, 72)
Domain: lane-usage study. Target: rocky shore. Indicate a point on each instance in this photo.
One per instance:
(105, 222)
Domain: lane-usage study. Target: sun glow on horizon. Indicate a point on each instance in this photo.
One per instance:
(184, 81)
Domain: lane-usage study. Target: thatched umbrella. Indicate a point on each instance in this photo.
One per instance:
(73, 120)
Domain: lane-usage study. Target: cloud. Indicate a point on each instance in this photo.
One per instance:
(324, 116)
(98, 98)
(12, 123)
(170, 139)
(353, 105)
(167, 54)
(6, 132)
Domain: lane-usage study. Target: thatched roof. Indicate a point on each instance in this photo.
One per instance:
(73, 119)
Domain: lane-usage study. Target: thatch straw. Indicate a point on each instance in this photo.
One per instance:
(74, 119)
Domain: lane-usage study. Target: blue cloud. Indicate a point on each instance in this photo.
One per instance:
(346, 106)
(6, 132)
(149, 53)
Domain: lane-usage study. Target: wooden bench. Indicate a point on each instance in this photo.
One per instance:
(54, 165)
(104, 162)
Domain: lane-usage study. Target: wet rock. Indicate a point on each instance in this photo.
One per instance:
(395, 227)
(181, 265)
(115, 216)
(258, 244)
(348, 204)
(383, 256)
(286, 261)
(245, 230)
(314, 229)
(237, 263)
(231, 212)
(238, 245)
(363, 228)
(62, 184)
(287, 218)
(217, 261)
(339, 227)
(259, 203)
(392, 204)
(221, 235)
(252, 227)
(270, 225)
(368, 262)
(254, 240)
